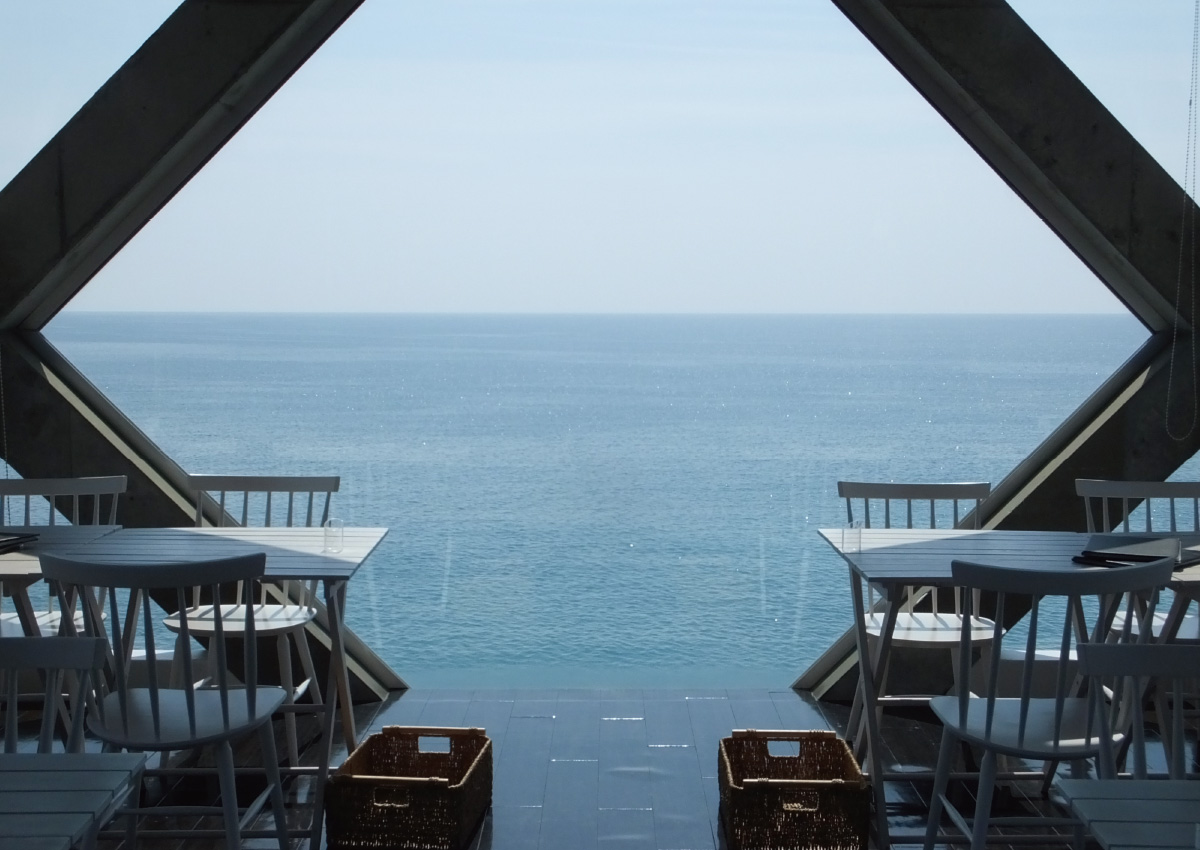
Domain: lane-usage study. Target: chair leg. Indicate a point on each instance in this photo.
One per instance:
(284, 650)
(266, 737)
(229, 803)
(310, 669)
(131, 829)
(854, 724)
(983, 802)
(941, 780)
(1049, 771)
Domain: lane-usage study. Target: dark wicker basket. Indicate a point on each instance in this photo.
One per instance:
(389, 793)
(816, 799)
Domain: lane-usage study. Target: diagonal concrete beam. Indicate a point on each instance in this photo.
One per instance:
(141, 137)
(125, 154)
(1045, 134)
(1033, 121)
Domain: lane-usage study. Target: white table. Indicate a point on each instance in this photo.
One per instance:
(292, 553)
(56, 801)
(20, 569)
(891, 558)
(1130, 814)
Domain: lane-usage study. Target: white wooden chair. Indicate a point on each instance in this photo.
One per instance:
(1082, 604)
(51, 659)
(81, 501)
(282, 610)
(210, 709)
(923, 620)
(276, 499)
(33, 502)
(1166, 507)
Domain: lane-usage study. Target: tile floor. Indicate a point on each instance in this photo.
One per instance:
(632, 769)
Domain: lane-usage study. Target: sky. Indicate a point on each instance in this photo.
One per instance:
(597, 156)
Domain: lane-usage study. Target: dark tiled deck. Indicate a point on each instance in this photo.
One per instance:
(630, 769)
(624, 769)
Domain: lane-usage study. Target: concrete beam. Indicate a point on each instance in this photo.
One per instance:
(1044, 133)
(141, 137)
(55, 424)
(124, 155)
(1033, 121)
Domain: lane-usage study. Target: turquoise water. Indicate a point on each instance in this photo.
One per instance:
(599, 501)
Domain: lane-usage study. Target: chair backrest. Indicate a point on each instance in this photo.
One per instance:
(172, 583)
(1080, 604)
(248, 499)
(945, 503)
(1168, 505)
(1122, 675)
(52, 659)
(71, 496)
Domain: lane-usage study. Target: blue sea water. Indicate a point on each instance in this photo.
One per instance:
(598, 500)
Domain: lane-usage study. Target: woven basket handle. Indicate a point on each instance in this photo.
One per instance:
(801, 801)
(783, 734)
(390, 797)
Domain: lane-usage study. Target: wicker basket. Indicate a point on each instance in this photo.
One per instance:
(817, 798)
(389, 793)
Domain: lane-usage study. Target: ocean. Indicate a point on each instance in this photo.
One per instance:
(597, 501)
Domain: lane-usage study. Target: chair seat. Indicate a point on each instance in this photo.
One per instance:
(925, 628)
(269, 619)
(1037, 742)
(1189, 626)
(174, 733)
(48, 623)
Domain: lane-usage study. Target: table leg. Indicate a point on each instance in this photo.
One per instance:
(338, 657)
(333, 600)
(866, 684)
(1170, 631)
(24, 608)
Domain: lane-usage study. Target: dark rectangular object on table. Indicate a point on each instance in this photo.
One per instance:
(1119, 550)
(13, 542)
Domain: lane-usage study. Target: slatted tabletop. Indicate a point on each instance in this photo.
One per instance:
(54, 801)
(20, 570)
(23, 563)
(923, 556)
(1129, 814)
(292, 553)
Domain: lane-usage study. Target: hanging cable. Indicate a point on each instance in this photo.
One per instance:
(4, 428)
(1187, 248)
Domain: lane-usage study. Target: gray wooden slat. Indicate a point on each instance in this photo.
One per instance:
(1123, 814)
(1146, 834)
(69, 825)
(56, 802)
(57, 798)
(44, 842)
(66, 762)
(1130, 789)
(51, 781)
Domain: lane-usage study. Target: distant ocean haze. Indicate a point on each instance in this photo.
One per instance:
(598, 500)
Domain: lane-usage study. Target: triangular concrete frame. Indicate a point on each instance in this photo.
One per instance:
(1032, 120)
(210, 66)
(125, 154)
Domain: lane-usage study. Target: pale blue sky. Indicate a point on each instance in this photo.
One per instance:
(597, 156)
